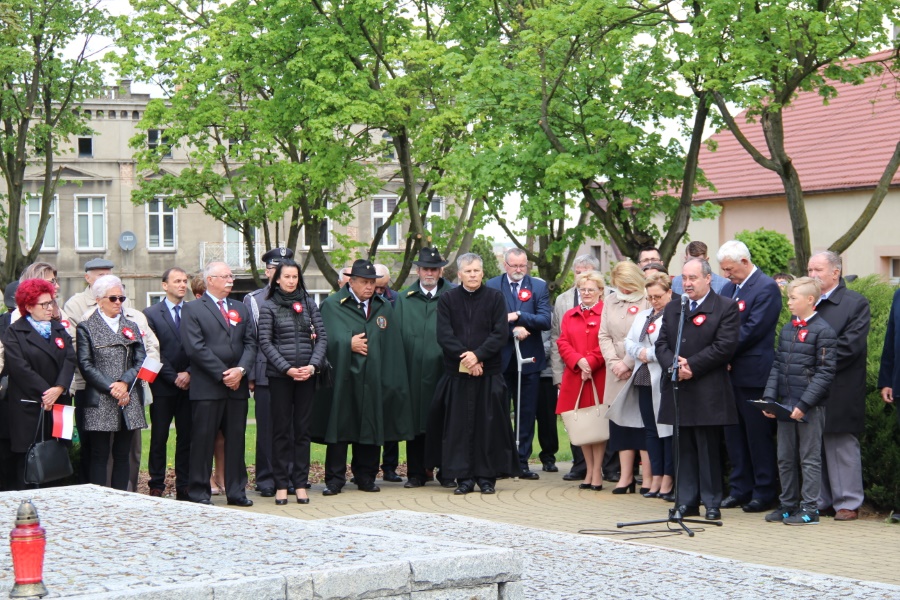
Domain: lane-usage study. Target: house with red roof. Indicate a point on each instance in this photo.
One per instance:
(840, 150)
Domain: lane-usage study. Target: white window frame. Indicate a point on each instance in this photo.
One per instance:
(384, 214)
(440, 214)
(54, 221)
(102, 248)
(327, 223)
(147, 216)
(244, 262)
(319, 296)
(894, 276)
(160, 295)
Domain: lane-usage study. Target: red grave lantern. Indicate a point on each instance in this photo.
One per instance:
(27, 542)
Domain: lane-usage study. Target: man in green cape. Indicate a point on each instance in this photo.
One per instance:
(416, 311)
(369, 402)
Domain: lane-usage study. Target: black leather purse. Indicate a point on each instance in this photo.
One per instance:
(46, 460)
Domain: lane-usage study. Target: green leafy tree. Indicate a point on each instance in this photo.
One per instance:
(771, 251)
(760, 55)
(483, 247)
(46, 70)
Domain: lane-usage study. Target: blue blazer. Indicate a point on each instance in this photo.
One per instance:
(535, 317)
(759, 303)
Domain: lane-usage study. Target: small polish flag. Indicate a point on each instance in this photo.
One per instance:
(149, 370)
(63, 421)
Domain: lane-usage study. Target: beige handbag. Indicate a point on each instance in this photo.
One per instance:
(587, 425)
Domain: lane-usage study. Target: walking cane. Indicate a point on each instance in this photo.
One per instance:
(519, 361)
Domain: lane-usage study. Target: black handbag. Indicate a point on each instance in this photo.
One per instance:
(46, 460)
(325, 376)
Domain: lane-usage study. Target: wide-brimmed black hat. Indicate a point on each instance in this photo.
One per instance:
(276, 255)
(430, 257)
(363, 268)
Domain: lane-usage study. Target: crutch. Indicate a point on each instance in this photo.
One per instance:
(519, 362)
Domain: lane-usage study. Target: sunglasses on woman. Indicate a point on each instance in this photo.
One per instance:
(117, 298)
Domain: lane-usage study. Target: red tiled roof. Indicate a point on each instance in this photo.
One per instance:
(839, 146)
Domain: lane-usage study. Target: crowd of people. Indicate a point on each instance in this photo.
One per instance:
(678, 364)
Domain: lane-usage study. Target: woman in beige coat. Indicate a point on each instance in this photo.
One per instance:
(619, 309)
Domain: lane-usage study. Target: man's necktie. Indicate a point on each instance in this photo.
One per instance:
(693, 305)
(178, 318)
(428, 295)
(224, 312)
(737, 291)
(514, 287)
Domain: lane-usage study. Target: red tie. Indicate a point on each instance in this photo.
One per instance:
(221, 304)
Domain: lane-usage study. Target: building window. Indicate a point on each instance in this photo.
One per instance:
(388, 152)
(382, 207)
(156, 138)
(135, 115)
(33, 220)
(894, 269)
(319, 295)
(435, 209)
(323, 235)
(156, 297)
(85, 148)
(90, 222)
(160, 225)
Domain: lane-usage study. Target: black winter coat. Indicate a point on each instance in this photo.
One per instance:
(848, 314)
(804, 365)
(285, 337)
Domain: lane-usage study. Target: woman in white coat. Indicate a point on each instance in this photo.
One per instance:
(637, 405)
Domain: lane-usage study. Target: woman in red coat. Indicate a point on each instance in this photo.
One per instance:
(579, 348)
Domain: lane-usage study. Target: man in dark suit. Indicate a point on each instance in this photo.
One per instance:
(751, 443)
(705, 399)
(259, 382)
(170, 389)
(528, 302)
(218, 337)
(845, 409)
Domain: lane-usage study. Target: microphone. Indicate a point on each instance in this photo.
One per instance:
(684, 299)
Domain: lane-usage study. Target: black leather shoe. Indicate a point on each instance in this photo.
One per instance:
(755, 506)
(529, 475)
(242, 502)
(413, 483)
(463, 489)
(181, 495)
(713, 514)
(488, 489)
(613, 477)
(392, 477)
(280, 502)
(267, 492)
(206, 502)
(448, 483)
(686, 511)
(369, 488)
(584, 486)
(302, 500)
(574, 476)
(550, 467)
(731, 502)
(670, 497)
(331, 491)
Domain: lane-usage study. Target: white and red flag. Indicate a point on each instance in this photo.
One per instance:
(149, 370)
(63, 421)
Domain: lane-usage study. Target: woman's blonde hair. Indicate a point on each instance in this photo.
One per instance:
(660, 279)
(628, 275)
(594, 276)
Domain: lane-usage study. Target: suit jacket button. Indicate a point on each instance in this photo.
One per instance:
(683, 340)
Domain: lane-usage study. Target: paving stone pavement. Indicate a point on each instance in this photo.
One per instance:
(866, 549)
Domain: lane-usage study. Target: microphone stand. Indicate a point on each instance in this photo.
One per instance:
(675, 515)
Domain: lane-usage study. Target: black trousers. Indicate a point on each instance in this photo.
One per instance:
(100, 451)
(207, 417)
(291, 404)
(390, 456)
(364, 464)
(163, 410)
(548, 436)
(264, 471)
(415, 458)
(699, 466)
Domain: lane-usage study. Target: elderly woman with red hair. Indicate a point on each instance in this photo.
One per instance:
(40, 361)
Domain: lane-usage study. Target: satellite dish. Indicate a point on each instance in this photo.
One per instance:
(127, 241)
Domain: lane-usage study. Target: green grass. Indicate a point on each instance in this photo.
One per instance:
(317, 453)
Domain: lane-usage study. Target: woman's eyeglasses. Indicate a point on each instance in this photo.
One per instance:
(655, 298)
(117, 298)
(46, 305)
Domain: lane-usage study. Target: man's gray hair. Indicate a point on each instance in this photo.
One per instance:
(103, 284)
(733, 250)
(705, 269)
(832, 258)
(382, 271)
(210, 267)
(587, 260)
(514, 252)
(469, 257)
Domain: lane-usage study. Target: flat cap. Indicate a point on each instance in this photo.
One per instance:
(276, 255)
(98, 263)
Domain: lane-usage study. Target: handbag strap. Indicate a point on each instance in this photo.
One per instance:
(40, 426)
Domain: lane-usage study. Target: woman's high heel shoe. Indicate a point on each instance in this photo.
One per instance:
(302, 500)
(281, 502)
(644, 491)
(597, 488)
(584, 486)
(650, 494)
(628, 489)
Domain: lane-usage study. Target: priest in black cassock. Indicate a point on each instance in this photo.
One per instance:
(469, 435)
